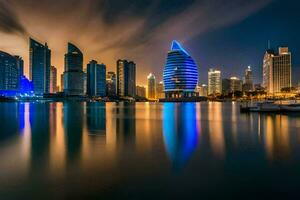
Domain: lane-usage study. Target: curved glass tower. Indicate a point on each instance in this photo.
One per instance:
(180, 73)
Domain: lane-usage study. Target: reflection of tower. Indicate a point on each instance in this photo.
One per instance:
(125, 123)
(39, 120)
(180, 132)
(73, 126)
(96, 121)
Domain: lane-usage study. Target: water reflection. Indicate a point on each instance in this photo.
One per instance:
(180, 132)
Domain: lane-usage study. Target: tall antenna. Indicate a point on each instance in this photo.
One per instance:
(269, 44)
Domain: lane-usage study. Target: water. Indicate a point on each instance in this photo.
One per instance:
(146, 151)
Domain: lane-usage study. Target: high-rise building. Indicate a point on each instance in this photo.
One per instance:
(111, 84)
(226, 86)
(248, 85)
(160, 94)
(214, 82)
(39, 66)
(151, 86)
(126, 78)
(9, 74)
(73, 75)
(236, 85)
(96, 79)
(180, 73)
(277, 70)
(203, 90)
(53, 79)
(20, 64)
(62, 82)
(140, 91)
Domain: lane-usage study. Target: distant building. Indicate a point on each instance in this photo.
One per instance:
(236, 85)
(126, 78)
(214, 82)
(277, 70)
(53, 80)
(160, 94)
(203, 90)
(9, 74)
(62, 82)
(226, 89)
(151, 86)
(39, 67)
(259, 88)
(140, 91)
(248, 80)
(96, 79)
(111, 84)
(73, 75)
(180, 73)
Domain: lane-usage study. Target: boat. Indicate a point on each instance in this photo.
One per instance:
(267, 106)
(290, 107)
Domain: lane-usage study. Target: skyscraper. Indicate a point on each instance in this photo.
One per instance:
(62, 82)
(96, 79)
(248, 85)
(126, 78)
(9, 74)
(20, 64)
(214, 82)
(160, 94)
(53, 80)
(236, 84)
(180, 73)
(277, 70)
(111, 84)
(140, 91)
(39, 64)
(151, 86)
(73, 75)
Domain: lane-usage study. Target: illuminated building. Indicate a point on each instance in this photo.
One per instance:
(39, 67)
(160, 94)
(53, 80)
(180, 73)
(111, 84)
(126, 78)
(203, 90)
(62, 82)
(151, 86)
(140, 91)
(277, 69)
(26, 86)
(236, 85)
(248, 80)
(214, 82)
(96, 79)
(9, 74)
(73, 75)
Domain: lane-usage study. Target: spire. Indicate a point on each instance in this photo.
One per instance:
(177, 47)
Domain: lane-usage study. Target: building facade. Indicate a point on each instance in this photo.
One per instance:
(39, 67)
(111, 84)
(248, 85)
(53, 80)
(236, 84)
(126, 78)
(9, 74)
(151, 82)
(140, 91)
(160, 94)
(214, 82)
(203, 90)
(96, 79)
(277, 70)
(73, 75)
(180, 73)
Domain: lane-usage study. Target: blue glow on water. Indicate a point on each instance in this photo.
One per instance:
(180, 132)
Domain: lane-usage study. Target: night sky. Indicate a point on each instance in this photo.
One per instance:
(229, 35)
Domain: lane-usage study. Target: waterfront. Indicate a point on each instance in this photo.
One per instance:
(146, 151)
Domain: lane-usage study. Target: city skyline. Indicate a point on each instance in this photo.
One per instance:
(204, 42)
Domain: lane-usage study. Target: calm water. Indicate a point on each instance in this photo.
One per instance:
(146, 151)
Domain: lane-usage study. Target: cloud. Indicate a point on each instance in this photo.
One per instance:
(9, 21)
(106, 30)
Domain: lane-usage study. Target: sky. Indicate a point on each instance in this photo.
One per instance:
(223, 34)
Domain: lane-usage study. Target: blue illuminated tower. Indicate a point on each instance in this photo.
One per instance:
(180, 73)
